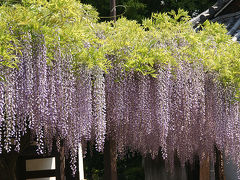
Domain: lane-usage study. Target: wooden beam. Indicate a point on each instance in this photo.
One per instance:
(40, 174)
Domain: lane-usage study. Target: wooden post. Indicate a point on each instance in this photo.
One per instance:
(110, 160)
(205, 169)
(219, 166)
(113, 12)
(62, 163)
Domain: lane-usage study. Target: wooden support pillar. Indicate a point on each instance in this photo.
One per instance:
(113, 12)
(219, 166)
(205, 169)
(62, 163)
(110, 160)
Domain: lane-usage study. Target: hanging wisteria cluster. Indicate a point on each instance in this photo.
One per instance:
(52, 101)
(183, 109)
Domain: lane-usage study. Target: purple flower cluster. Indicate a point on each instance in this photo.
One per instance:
(53, 101)
(99, 108)
(183, 110)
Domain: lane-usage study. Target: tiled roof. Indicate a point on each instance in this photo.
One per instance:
(226, 12)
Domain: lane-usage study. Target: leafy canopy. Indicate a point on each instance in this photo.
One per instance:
(162, 39)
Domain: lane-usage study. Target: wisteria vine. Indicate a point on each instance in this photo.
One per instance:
(154, 87)
(183, 109)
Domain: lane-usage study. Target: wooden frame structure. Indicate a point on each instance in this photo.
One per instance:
(57, 170)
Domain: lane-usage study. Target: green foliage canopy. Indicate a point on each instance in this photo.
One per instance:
(165, 38)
